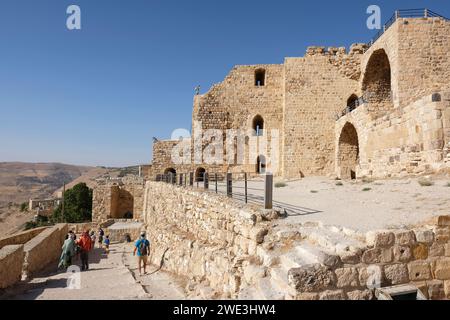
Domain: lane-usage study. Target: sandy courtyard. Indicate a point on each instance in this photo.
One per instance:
(361, 206)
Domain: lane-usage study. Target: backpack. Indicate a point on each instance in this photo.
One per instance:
(143, 248)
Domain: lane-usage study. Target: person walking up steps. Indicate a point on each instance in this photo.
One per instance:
(101, 233)
(85, 244)
(68, 251)
(142, 248)
(107, 242)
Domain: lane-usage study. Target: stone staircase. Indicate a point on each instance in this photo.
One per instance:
(285, 249)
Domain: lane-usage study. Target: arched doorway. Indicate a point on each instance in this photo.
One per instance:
(376, 84)
(261, 164)
(170, 174)
(348, 154)
(200, 174)
(170, 171)
(258, 125)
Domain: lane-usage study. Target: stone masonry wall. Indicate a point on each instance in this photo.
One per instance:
(44, 249)
(201, 235)
(420, 257)
(11, 261)
(21, 237)
(413, 141)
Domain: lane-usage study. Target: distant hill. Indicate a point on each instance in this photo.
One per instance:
(21, 181)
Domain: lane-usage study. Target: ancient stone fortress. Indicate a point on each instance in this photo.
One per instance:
(381, 109)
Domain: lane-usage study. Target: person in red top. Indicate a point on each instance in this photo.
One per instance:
(85, 244)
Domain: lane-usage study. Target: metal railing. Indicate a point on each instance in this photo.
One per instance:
(406, 13)
(352, 106)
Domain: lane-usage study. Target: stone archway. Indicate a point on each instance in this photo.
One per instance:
(376, 85)
(348, 152)
(200, 174)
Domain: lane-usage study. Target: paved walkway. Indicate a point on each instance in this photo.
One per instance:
(108, 277)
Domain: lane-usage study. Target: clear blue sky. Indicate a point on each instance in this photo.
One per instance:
(98, 96)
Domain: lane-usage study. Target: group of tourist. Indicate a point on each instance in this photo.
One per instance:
(74, 247)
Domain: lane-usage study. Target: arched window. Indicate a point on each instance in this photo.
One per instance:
(352, 102)
(258, 125)
(260, 77)
(200, 174)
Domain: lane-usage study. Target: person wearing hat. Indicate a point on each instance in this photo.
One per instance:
(142, 249)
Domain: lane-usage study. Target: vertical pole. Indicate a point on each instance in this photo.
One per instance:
(229, 184)
(215, 178)
(63, 204)
(246, 194)
(268, 191)
(206, 180)
(426, 13)
(181, 179)
(191, 179)
(185, 179)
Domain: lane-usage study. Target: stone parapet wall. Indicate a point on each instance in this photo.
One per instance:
(11, 261)
(21, 238)
(44, 249)
(201, 235)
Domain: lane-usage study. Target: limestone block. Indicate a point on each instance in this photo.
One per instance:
(420, 251)
(377, 255)
(405, 238)
(444, 221)
(351, 257)
(442, 234)
(347, 277)
(384, 239)
(311, 278)
(11, 261)
(258, 233)
(402, 253)
(447, 249)
(436, 289)
(419, 270)
(424, 236)
(371, 276)
(307, 296)
(332, 295)
(436, 250)
(447, 288)
(360, 295)
(442, 269)
(396, 273)
(253, 272)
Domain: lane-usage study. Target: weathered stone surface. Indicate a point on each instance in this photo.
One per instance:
(442, 234)
(444, 221)
(384, 239)
(351, 257)
(258, 234)
(402, 253)
(436, 289)
(436, 250)
(377, 255)
(419, 270)
(424, 236)
(371, 276)
(405, 238)
(447, 288)
(347, 277)
(11, 261)
(420, 251)
(442, 269)
(253, 272)
(332, 295)
(447, 249)
(307, 296)
(360, 295)
(311, 278)
(396, 273)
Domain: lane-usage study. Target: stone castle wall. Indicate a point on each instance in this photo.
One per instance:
(302, 98)
(413, 141)
(21, 237)
(11, 261)
(204, 237)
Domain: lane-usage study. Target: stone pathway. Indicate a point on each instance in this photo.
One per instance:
(108, 278)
